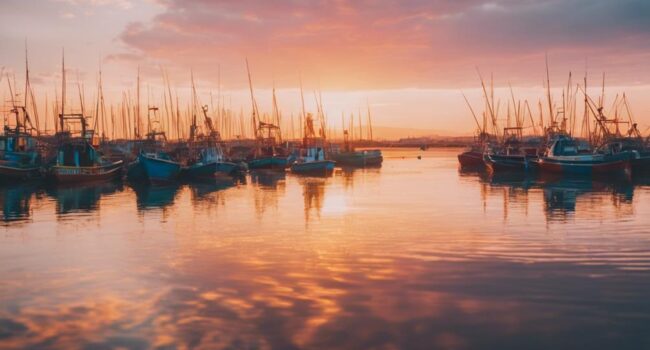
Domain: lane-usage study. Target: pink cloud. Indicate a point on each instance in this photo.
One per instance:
(386, 43)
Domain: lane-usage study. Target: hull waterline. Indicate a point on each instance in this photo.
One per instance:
(70, 174)
(321, 167)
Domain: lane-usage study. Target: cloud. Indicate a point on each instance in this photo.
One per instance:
(121, 4)
(385, 43)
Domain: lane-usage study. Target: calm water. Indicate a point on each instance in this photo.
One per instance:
(413, 255)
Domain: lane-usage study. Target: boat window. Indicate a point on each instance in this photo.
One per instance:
(570, 149)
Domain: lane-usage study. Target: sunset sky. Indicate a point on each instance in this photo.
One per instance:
(409, 60)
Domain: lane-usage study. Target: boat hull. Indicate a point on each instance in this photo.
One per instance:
(506, 163)
(471, 159)
(159, 170)
(359, 158)
(320, 167)
(268, 163)
(211, 170)
(71, 174)
(135, 171)
(18, 173)
(613, 166)
(641, 164)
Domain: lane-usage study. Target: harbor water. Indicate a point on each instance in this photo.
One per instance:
(416, 255)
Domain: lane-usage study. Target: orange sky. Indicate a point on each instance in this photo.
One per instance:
(408, 59)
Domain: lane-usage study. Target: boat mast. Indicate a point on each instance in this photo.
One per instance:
(62, 90)
(370, 120)
(137, 110)
(548, 93)
(360, 125)
(473, 114)
(194, 103)
(253, 104)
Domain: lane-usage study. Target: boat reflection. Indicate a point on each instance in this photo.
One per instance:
(16, 201)
(269, 179)
(348, 173)
(155, 196)
(270, 186)
(207, 192)
(313, 191)
(561, 195)
(74, 198)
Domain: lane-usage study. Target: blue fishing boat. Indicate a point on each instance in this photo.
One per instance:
(20, 158)
(312, 162)
(159, 167)
(311, 159)
(210, 164)
(154, 142)
(268, 154)
(272, 162)
(205, 151)
(77, 159)
(154, 163)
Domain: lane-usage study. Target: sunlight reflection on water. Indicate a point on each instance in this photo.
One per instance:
(416, 254)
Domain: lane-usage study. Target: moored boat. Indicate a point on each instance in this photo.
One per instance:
(311, 159)
(77, 159)
(471, 158)
(271, 162)
(359, 158)
(20, 158)
(13, 171)
(317, 167)
(210, 164)
(513, 154)
(562, 157)
(159, 167)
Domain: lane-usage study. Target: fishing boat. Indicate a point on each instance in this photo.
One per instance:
(267, 153)
(210, 165)
(20, 158)
(349, 156)
(311, 159)
(77, 159)
(634, 142)
(472, 157)
(359, 158)
(312, 162)
(155, 164)
(563, 157)
(512, 155)
(159, 167)
(641, 161)
(207, 156)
